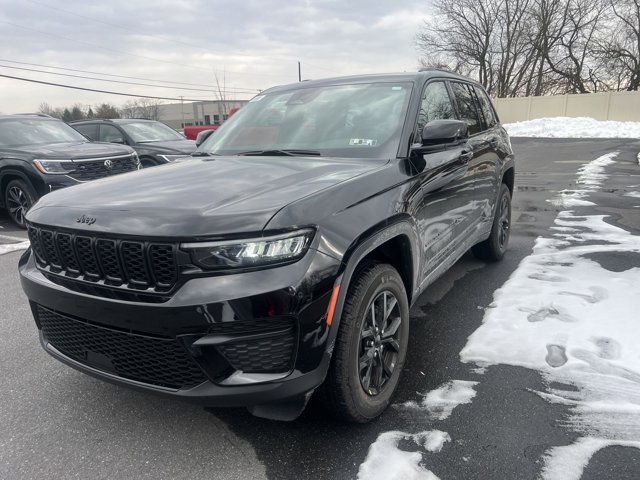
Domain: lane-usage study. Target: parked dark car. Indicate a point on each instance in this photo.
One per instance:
(39, 154)
(155, 142)
(285, 262)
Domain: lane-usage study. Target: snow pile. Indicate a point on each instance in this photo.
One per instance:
(12, 247)
(440, 403)
(579, 127)
(565, 315)
(385, 461)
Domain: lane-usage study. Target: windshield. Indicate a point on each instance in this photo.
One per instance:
(18, 132)
(362, 120)
(142, 132)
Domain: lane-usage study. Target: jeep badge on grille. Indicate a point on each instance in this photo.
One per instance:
(87, 220)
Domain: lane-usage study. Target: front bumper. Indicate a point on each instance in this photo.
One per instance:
(197, 345)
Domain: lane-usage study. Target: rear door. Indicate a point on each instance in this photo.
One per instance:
(492, 152)
(481, 168)
(111, 134)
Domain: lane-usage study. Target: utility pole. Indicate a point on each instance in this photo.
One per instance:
(299, 72)
(182, 109)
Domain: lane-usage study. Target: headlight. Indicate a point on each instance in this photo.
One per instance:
(254, 252)
(171, 158)
(56, 167)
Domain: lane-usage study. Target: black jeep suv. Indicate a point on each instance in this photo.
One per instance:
(286, 259)
(155, 142)
(39, 154)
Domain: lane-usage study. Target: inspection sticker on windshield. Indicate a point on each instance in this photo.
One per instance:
(363, 142)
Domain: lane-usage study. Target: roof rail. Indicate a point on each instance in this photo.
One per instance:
(37, 114)
(434, 69)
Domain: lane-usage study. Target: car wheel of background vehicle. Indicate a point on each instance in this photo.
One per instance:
(371, 346)
(19, 197)
(493, 248)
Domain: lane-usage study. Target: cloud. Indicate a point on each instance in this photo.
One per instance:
(252, 44)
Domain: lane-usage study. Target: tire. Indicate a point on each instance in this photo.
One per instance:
(344, 392)
(19, 197)
(146, 162)
(494, 247)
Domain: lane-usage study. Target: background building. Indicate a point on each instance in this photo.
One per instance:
(179, 115)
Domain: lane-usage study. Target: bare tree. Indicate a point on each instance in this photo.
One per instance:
(148, 108)
(620, 49)
(106, 110)
(523, 47)
(221, 94)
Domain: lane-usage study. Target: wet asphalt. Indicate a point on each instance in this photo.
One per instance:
(58, 423)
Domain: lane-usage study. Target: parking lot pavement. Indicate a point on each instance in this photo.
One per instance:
(58, 423)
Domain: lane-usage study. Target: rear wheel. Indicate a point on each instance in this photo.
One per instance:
(371, 346)
(494, 248)
(18, 199)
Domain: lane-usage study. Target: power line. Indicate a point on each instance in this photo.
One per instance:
(112, 74)
(121, 52)
(96, 90)
(213, 89)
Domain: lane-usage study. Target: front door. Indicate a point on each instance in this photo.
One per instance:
(446, 203)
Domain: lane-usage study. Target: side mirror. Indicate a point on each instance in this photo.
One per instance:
(444, 133)
(119, 140)
(202, 136)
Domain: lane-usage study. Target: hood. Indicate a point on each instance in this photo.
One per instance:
(75, 151)
(201, 197)
(172, 146)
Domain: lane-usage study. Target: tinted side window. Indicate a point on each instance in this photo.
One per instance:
(89, 131)
(465, 98)
(109, 133)
(486, 108)
(435, 105)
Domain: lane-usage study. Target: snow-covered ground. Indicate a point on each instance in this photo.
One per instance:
(563, 314)
(579, 127)
(560, 313)
(12, 247)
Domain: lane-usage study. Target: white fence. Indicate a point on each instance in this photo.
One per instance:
(621, 106)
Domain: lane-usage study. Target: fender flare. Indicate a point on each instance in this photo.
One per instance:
(13, 172)
(402, 226)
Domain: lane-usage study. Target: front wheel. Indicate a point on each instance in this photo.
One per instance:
(371, 346)
(494, 247)
(18, 199)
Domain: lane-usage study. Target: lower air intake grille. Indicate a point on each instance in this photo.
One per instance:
(157, 361)
(267, 355)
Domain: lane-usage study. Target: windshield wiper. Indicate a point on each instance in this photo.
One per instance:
(287, 153)
(203, 154)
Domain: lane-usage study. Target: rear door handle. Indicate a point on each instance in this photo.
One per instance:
(493, 142)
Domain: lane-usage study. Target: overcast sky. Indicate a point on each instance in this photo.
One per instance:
(250, 44)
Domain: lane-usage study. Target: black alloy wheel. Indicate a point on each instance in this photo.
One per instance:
(371, 345)
(18, 201)
(379, 346)
(493, 248)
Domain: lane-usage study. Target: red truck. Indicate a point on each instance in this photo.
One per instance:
(192, 131)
